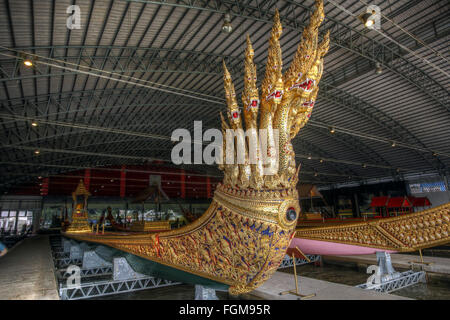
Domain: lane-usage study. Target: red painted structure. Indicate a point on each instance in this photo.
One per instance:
(122, 181)
(378, 204)
(183, 184)
(420, 201)
(397, 205)
(44, 187)
(87, 178)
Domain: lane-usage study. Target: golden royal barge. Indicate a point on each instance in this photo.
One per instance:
(242, 238)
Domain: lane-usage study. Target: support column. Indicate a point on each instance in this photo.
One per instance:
(17, 219)
(183, 184)
(44, 187)
(87, 178)
(208, 187)
(37, 218)
(355, 197)
(446, 186)
(123, 174)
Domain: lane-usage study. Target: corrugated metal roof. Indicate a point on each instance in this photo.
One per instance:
(182, 46)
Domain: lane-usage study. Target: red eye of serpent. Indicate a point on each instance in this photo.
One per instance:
(235, 114)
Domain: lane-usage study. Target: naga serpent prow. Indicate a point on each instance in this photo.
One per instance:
(243, 236)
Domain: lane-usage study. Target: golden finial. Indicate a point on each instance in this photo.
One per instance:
(234, 114)
(250, 98)
(272, 88)
(286, 101)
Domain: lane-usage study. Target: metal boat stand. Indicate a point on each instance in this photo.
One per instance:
(296, 292)
(92, 266)
(202, 293)
(125, 279)
(72, 254)
(386, 279)
(76, 272)
(289, 262)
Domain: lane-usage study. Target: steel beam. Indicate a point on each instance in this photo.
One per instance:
(390, 55)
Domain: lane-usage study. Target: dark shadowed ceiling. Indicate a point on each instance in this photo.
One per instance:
(87, 120)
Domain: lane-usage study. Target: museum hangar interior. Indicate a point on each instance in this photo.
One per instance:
(119, 118)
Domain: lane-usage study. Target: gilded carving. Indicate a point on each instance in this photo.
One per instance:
(243, 236)
(404, 233)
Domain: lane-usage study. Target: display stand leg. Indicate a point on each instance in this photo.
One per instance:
(296, 292)
(421, 260)
(306, 257)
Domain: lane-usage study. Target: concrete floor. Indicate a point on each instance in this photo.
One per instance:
(26, 272)
(324, 290)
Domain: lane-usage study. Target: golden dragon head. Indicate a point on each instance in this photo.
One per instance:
(262, 186)
(243, 237)
(284, 107)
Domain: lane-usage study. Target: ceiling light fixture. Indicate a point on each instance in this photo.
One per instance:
(227, 27)
(34, 124)
(393, 144)
(378, 69)
(28, 63)
(27, 60)
(36, 152)
(332, 130)
(367, 18)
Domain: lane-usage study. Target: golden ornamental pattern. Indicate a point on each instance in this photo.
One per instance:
(406, 233)
(243, 236)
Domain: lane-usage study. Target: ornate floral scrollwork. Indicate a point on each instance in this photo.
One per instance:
(242, 238)
(406, 233)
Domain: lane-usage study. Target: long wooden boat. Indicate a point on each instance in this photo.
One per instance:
(243, 236)
(138, 226)
(404, 233)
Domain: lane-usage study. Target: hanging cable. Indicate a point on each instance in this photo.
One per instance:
(392, 40)
(372, 137)
(411, 35)
(191, 94)
(167, 138)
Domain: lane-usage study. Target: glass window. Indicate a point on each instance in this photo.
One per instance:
(415, 188)
(5, 214)
(12, 214)
(22, 213)
(29, 213)
(427, 187)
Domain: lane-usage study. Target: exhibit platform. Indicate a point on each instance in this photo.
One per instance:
(26, 272)
(323, 290)
(434, 266)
